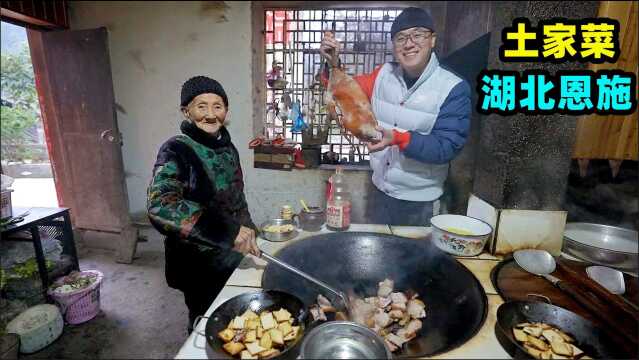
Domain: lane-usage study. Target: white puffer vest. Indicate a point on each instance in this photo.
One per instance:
(413, 109)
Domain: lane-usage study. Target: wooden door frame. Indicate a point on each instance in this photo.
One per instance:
(49, 120)
(124, 241)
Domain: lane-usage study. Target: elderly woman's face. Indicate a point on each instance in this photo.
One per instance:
(207, 112)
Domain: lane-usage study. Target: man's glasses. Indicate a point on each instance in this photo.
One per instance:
(417, 37)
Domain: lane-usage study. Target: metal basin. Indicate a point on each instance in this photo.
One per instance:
(603, 245)
(343, 340)
(355, 262)
(278, 236)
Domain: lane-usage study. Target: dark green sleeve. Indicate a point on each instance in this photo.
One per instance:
(172, 214)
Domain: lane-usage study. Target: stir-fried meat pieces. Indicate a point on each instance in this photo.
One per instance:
(393, 315)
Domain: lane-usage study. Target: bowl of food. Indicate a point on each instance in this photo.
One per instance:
(537, 330)
(278, 230)
(257, 325)
(460, 235)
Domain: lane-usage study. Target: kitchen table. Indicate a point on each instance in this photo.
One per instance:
(248, 276)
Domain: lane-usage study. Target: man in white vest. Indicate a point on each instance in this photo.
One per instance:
(423, 111)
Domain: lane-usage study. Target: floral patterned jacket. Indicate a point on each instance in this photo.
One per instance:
(196, 198)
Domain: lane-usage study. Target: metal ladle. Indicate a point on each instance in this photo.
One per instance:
(611, 280)
(541, 263)
(308, 277)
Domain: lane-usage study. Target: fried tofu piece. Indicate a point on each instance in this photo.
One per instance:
(269, 353)
(226, 335)
(252, 324)
(249, 315)
(267, 320)
(260, 331)
(532, 351)
(238, 323)
(551, 335)
(520, 335)
(565, 336)
(254, 348)
(534, 331)
(251, 336)
(285, 328)
(266, 341)
(537, 344)
(293, 334)
(282, 315)
(561, 348)
(233, 347)
(547, 354)
(245, 354)
(276, 336)
(576, 351)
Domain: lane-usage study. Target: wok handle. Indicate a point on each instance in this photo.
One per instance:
(196, 322)
(593, 305)
(626, 305)
(546, 298)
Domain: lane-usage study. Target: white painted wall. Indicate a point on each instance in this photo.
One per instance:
(154, 48)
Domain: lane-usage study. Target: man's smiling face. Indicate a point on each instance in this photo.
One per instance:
(413, 48)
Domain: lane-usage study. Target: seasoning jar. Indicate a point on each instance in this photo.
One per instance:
(286, 212)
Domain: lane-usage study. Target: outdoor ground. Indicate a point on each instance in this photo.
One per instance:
(140, 316)
(36, 192)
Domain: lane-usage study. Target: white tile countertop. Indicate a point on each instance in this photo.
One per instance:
(247, 278)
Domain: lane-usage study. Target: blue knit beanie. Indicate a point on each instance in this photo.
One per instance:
(412, 17)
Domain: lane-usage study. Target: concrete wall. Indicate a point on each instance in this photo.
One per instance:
(154, 48)
(523, 161)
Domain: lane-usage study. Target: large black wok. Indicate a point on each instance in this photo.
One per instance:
(355, 262)
(591, 340)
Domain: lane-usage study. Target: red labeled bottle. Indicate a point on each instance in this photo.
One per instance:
(338, 203)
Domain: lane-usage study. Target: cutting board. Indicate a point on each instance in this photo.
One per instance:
(514, 284)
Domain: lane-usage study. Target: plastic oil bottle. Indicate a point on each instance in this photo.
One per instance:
(338, 203)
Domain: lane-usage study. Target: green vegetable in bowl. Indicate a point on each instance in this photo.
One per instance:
(74, 281)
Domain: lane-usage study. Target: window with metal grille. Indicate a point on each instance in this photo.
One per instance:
(293, 65)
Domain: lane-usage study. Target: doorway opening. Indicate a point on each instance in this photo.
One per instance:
(24, 156)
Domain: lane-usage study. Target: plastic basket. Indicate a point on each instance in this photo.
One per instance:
(80, 305)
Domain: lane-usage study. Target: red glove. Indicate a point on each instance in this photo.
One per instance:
(401, 139)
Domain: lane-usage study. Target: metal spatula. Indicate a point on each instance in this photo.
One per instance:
(308, 277)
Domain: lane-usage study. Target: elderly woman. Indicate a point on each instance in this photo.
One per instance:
(196, 199)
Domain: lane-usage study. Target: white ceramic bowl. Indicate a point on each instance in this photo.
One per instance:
(460, 235)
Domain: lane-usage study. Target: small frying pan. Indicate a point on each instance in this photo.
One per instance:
(591, 340)
(259, 301)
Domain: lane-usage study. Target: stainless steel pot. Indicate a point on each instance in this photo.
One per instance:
(343, 340)
(602, 244)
